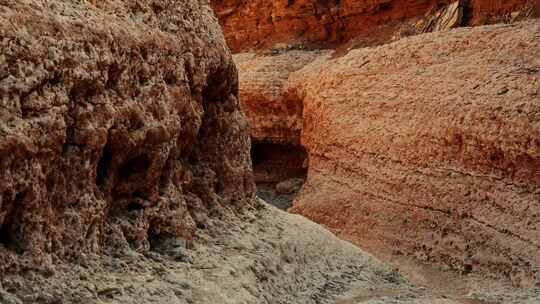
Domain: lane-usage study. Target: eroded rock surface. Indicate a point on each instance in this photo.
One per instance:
(274, 115)
(426, 147)
(262, 24)
(119, 126)
(275, 118)
(430, 147)
(252, 257)
(240, 258)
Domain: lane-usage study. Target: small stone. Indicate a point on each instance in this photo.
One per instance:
(289, 186)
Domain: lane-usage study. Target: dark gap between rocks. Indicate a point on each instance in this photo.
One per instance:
(280, 170)
(9, 228)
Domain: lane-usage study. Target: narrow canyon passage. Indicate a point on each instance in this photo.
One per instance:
(438, 181)
(303, 152)
(280, 171)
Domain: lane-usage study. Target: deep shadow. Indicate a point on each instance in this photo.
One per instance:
(279, 170)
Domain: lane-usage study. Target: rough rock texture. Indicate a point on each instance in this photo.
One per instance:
(262, 24)
(450, 16)
(489, 11)
(430, 147)
(274, 115)
(119, 123)
(257, 256)
(438, 157)
(275, 119)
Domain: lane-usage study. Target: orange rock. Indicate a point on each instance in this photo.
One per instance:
(274, 114)
(261, 24)
(429, 146)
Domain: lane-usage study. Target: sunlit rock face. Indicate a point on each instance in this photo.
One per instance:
(119, 124)
(425, 147)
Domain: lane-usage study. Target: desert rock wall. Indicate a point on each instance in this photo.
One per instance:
(426, 147)
(274, 115)
(429, 147)
(256, 24)
(119, 123)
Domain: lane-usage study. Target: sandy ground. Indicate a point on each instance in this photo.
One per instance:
(283, 201)
(263, 255)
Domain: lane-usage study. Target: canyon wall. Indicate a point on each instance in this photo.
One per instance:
(119, 126)
(426, 147)
(274, 115)
(429, 147)
(256, 24)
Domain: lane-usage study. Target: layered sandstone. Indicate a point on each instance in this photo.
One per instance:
(430, 147)
(119, 125)
(262, 24)
(426, 147)
(275, 119)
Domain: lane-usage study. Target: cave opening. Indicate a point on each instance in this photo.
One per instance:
(279, 170)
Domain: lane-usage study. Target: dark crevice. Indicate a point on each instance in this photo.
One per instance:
(157, 7)
(102, 171)
(5, 236)
(170, 79)
(8, 228)
(134, 206)
(140, 194)
(276, 162)
(113, 76)
(467, 10)
(139, 164)
(219, 187)
(385, 6)
(83, 89)
(279, 170)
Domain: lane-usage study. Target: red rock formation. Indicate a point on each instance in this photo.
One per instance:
(490, 11)
(119, 122)
(273, 115)
(262, 24)
(430, 146)
(426, 147)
